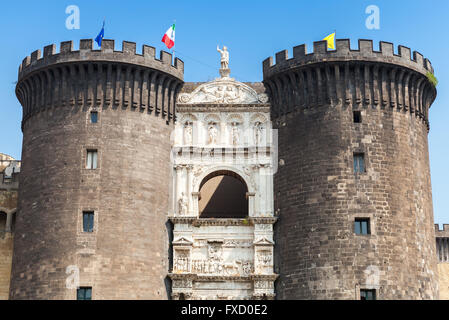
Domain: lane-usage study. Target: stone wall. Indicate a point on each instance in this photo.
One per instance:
(8, 204)
(6, 245)
(442, 246)
(443, 276)
(126, 255)
(318, 195)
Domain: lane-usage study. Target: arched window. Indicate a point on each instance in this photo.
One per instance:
(3, 217)
(223, 195)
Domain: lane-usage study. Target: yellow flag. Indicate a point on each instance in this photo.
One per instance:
(330, 41)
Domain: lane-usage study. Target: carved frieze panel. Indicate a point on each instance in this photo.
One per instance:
(233, 268)
(181, 261)
(182, 283)
(224, 126)
(226, 91)
(261, 284)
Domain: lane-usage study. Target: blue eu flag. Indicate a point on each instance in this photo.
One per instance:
(100, 36)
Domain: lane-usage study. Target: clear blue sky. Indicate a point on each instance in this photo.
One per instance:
(252, 30)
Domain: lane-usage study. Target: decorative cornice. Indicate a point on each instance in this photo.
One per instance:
(250, 221)
(264, 220)
(197, 277)
(219, 107)
(264, 277)
(220, 150)
(182, 276)
(182, 220)
(221, 222)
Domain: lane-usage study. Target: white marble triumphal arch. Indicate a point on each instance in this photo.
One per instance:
(222, 205)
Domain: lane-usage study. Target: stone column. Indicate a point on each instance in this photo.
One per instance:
(189, 189)
(269, 190)
(251, 197)
(195, 196)
(260, 178)
(223, 134)
(178, 187)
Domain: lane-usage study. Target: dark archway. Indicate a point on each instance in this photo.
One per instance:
(223, 195)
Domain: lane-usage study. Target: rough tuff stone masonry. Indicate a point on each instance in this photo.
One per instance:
(317, 194)
(126, 257)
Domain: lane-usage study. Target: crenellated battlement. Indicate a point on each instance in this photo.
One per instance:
(343, 52)
(93, 78)
(442, 243)
(128, 54)
(347, 77)
(441, 232)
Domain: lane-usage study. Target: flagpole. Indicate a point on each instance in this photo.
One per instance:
(174, 44)
(335, 39)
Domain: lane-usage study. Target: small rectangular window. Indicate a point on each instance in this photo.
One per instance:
(367, 294)
(84, 293)
(359, 162)
(94, 117)
(92, 156)
(362, 226)
(357, 116)
(88, 221)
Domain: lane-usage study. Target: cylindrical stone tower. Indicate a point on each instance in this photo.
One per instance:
(331, 109)
(115, 108)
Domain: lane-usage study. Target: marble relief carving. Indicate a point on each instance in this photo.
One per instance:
(222, 258)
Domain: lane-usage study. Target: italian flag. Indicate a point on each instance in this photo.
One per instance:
(169, 37)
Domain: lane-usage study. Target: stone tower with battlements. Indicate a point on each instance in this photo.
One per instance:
(347, 212)
(96, 140)
(352, 127)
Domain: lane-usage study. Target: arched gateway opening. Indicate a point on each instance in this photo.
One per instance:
(223, 194)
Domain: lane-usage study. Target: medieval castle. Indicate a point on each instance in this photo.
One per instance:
(133, 184)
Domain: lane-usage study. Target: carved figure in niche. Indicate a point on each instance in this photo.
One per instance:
(182, 204)
(235, 133)
(188, 133)
(258, 128)
(213, 133)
